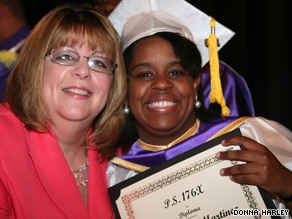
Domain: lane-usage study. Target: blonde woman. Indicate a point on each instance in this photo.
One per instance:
(61, 118)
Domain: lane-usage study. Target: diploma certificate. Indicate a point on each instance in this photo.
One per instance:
(189, 186)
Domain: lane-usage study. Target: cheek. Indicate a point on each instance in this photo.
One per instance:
(53, 74)
(103, 85)
(46, 70)
(136, 93)
(49, 79)
(187, 90)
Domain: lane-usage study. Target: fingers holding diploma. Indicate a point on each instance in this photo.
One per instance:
(262, 168)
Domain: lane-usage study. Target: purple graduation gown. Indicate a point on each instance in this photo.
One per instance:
(6, 45)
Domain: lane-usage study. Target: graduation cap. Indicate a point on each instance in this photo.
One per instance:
(182, 14)
(135, 19)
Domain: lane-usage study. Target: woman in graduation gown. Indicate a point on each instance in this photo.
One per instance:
(165, 106)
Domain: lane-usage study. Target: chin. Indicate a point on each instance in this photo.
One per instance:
(75, 116)
(170, 129)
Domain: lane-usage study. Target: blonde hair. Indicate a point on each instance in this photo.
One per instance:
(68, 23)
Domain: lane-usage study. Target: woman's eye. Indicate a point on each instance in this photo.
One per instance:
(98, 63)
(64, 57)
(144, 75)
(176, 73)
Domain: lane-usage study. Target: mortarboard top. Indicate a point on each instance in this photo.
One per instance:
(169, 15)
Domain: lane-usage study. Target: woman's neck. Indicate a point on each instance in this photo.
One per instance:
(169, 140)
(71, 137)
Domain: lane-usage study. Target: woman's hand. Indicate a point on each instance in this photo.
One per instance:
(262, 168)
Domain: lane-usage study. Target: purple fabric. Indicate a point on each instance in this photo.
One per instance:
(6, 45)
(235, 90)
(205, 131)
(15, 38)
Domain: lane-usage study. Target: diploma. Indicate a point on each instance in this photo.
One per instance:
(189, 186)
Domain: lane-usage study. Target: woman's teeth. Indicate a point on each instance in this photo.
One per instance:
(161, 104)
(77, 91)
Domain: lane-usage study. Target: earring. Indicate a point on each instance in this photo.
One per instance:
(197, 103)
(126, 109)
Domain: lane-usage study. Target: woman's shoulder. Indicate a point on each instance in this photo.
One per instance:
(11, 127)
(7, 117)
(5, 109)
(261, 121)
(240, 120)
(222, 122)
(264, 125)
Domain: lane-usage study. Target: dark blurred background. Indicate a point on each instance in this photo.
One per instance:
(260, 50)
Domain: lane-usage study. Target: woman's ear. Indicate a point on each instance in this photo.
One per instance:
(196, 83)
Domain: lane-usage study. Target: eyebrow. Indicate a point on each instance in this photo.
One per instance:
(95, 52)
(147, 64)
(100, 54)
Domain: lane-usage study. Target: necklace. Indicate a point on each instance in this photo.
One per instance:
(81, 174)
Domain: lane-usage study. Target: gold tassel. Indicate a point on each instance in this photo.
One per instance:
(216, 94)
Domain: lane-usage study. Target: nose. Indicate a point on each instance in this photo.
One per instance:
(161, 83)
(82, 69)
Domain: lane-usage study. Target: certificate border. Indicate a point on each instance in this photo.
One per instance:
(114, 191)
(165, 181)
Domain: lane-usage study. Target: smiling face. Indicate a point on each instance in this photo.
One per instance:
(75, 93)
(161, 92)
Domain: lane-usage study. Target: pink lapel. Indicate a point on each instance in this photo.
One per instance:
(55, 175)
(99, 205)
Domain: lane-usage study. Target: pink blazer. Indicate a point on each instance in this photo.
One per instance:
(36, 181)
